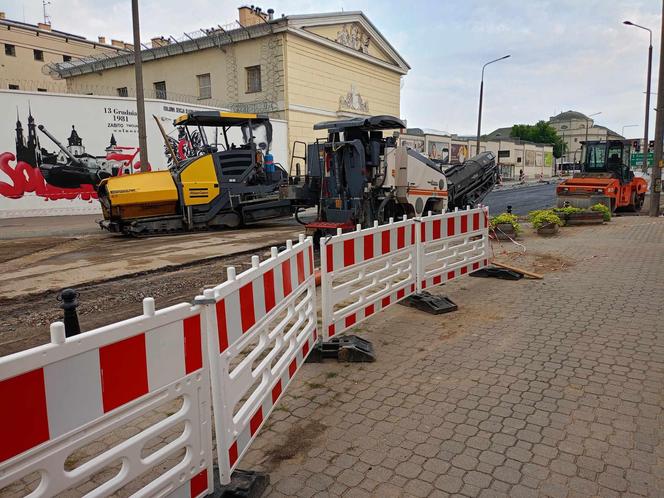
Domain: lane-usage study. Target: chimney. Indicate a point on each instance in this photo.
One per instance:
(117, 43)
(129, 46)
(102, 40)
(44, 26)
(270, 14)
(2, 15)
(250, 16)
(159, 41)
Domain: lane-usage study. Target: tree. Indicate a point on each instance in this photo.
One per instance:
(540, 133)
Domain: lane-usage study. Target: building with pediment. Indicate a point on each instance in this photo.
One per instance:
(301, 68)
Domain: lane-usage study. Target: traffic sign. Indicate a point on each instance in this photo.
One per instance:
(637, 159)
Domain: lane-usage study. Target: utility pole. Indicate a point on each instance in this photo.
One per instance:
(479, 114)
(656, 175)
(140, 100)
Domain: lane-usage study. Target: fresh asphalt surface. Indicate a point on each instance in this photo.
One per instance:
(522, 199)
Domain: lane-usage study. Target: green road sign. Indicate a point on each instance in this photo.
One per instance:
(637, 159)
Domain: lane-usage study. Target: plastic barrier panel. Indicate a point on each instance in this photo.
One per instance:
(452, 245)
(123, 409)
(365, 271)
(264, 321)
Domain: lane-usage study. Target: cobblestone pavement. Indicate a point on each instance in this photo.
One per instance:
(548, 387)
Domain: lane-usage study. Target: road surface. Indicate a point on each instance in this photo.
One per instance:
(522, 199)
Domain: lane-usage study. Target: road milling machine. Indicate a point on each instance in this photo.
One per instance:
(360, 174)
(219, 185)
(605, 178)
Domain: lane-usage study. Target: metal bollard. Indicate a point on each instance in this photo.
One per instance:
(69, 303)
(509, 209)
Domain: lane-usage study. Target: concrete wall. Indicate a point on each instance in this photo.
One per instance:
(23, 191)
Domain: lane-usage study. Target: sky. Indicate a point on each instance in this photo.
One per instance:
(565, 54)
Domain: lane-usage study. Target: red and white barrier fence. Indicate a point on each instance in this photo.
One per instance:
(264, 323)
(61, 397)
(365, 271)
(451, 245)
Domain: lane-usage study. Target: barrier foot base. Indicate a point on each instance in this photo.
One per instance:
(434, 305)
(347, 348)
(244, 484)
(501, 273)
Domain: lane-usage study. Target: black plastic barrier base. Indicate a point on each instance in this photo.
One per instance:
(347, 348)
(493, 272)
(244, 484)
(435, 305)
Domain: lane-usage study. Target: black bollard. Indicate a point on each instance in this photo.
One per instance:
(509, 209)
(69, 303)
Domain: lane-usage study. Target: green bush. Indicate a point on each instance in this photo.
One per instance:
(567, 210)
(606, 212)
(544, 217)
(506, 218)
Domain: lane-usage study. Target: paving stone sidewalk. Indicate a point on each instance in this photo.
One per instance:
(533, 388)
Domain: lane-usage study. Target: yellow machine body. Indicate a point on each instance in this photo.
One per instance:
(140, 195)
(200, 184)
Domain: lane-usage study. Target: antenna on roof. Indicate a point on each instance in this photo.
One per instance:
(47, 18)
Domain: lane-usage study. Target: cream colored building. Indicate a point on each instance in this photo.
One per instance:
(302, 68)
(572, 126)
(512, 155)
(26, 48)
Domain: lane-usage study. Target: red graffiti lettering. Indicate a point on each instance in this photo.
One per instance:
(24, 179)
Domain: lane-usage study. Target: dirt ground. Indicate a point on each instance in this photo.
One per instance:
(111, 273)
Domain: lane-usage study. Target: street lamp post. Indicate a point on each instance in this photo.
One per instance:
(479, 116)
(645, 126)
(626, 126)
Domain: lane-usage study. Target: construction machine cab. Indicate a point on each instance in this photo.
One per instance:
(607, 159)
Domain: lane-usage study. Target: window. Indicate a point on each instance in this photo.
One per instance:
(253, 79)
(41, 89)
(66, 58)
(13, 87)
(10, 50)
(160, 89)
(204, 86)
(123, 92)
(38, 54)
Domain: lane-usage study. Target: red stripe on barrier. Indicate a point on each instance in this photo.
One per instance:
(331, 330)
(193, 352)
(198, 484)
(124, 371)
(385, 302)
(476, 221)
(222, 330)
(450, 226)
(401, 237)
(486, 262)
(423, 232)
(437, 225)
(450, 275)
(292, 368)
(476, 266)
(286, 277)
(424, 284)
(437, 279)
(349, 252)
(268, 290)
(401, 293)
(305, 349)
(368, 246)
(464, 223)
(299, 260)
(315, 335)
(247, 314)
(232, 453)
(412, 287)
(24, 416)
(350, 320)
(369, 310)
(329, 257)
(412, 235)
(256, 421)
(385, 241)
(276, 391)
(464, 270)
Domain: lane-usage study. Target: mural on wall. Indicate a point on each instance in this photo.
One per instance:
(354, 36)
(438, 151)
(459, 153)
(353, 101)
(530, 158)
(415, 144)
